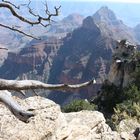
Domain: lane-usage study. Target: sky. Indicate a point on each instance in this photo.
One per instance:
(125, 10)
(122, 1)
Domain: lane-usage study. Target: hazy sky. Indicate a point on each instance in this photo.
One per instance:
(123, 1)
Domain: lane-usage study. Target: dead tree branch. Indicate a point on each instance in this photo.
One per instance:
(19, 31)
(8, 2)
(2, 48)
(16, 85)
(5, 97)
(23, 19)
(38, 19)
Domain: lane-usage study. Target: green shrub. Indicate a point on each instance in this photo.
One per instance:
(78, 105)
(118, 103)
(126, 110)
(132, 93)
(108, 98)
(132, 109)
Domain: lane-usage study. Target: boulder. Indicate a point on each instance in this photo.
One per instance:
(49, 123)
(42, 126)
(131, 126)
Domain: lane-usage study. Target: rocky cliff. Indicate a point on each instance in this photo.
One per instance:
(113, 27)
(137, 32)
(14, 41)
(66, 25)
(87, 51)
(32, 62)
(49, 123)
(83, 54)
(123, 65)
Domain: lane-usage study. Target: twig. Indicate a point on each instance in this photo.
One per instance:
(19, 31)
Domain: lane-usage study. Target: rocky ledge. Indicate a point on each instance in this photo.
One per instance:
(49, 123)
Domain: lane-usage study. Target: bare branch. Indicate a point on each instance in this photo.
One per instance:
(39, 20)
(5, 97)
(15, 6)
(19, 31)
(35, 92)
(33, 84)
(8, 2)
(3, 48)
(31, 10)
(21, 92)
(16, 14)
(16, 85)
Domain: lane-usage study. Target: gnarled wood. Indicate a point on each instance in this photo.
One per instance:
(5, 97)
(19, 85)
(33, 84)
(37, 19)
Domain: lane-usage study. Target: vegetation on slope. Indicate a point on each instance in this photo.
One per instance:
(116, 103)
(78, 105)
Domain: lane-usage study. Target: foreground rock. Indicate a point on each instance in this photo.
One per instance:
(50, 123)
(41, 126)
(129, 126)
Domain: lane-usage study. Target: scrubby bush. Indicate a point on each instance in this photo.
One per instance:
(110, 96)
(131, 108)
(126, 110)
(78, 105)
(131, 93)
(118, 104)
